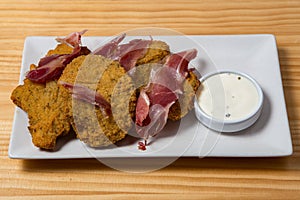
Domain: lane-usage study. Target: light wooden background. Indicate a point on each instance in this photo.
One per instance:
(187, 178)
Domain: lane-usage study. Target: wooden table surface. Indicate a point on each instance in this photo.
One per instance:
(187, 178)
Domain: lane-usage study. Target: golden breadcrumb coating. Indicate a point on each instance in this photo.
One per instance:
(47, 105)
(60, 49)
(156, 52)
(185, 102)
(110, 80)
(47, 109)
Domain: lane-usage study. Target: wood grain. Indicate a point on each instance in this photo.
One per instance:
(187, 178)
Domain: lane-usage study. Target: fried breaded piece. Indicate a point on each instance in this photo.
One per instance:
(60, 49)
(115, 86)
(109, 79)
(185, 102)
(47, 109)
(156, 52)
(153, 58)
(47, 106)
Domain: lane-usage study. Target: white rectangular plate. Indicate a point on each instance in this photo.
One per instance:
(255, 55)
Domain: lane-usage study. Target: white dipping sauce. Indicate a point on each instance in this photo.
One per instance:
(228, 96)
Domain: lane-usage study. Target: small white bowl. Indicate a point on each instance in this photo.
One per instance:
(244, 98)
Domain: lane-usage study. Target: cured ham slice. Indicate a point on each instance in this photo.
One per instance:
(88, 95)
(180, 61)
(164, 88)
(127, 54)
(108, 50)
(143, 106)
(73, 39)
(51, 67)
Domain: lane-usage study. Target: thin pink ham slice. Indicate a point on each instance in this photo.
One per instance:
(127, 54)
(164, 88)
(108, 50)
(85, 94)
(180, 61)
(51, 67)
(73, 39)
